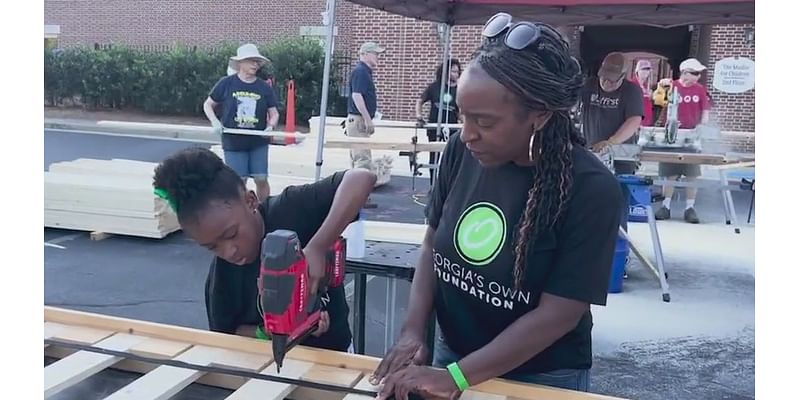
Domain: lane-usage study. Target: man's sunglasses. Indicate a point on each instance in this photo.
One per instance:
(695, 73)
(519, 35)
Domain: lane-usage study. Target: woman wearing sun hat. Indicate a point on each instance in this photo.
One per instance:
(247, 103)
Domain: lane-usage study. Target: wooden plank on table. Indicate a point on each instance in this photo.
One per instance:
(683, 158)
(256, 389)
(75, 334)
(363, 383)
(513, 390)
(154, 348)
(166, 381)
(467, 395)
(394, 232)
(74, 368)
(380, 144)
(160, 348)
(326, 374)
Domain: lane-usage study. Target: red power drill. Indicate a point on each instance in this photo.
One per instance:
(290, 312)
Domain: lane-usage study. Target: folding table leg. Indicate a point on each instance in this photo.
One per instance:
(662, 273)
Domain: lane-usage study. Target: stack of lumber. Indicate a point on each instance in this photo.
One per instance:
(159, 342)
(108, 196)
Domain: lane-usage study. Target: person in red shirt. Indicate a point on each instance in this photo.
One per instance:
(642, 80)
(693, 110)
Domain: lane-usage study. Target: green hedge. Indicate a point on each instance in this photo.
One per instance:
(178, 81)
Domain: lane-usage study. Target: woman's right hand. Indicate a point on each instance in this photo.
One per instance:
(408, 349)
(216, 127)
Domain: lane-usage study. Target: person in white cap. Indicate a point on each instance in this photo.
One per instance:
(247, 103)
(363, 102)
(642, 80)
(693, 110)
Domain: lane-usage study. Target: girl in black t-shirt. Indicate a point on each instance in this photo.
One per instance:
(522, 224)
(217, 211)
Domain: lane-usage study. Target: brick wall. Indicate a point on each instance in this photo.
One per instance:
(735, 112)
(156, 23)
(414, 49)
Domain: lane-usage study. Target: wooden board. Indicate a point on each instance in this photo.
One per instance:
(685, 158)
(211, 348)
(109, 196)
(374, 144)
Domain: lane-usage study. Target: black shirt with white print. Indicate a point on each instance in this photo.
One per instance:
(475, 212)
(232, 290)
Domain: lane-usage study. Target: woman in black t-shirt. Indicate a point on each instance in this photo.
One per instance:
(522, 224)
(216, 210)
(449, 109)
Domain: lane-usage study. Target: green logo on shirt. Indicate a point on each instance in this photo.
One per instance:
(480, 233)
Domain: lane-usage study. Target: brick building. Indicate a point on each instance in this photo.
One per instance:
(414, 47)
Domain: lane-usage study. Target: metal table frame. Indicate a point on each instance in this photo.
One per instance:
(361, 268)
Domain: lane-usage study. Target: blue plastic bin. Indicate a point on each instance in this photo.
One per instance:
(618, 265)
(640, 197)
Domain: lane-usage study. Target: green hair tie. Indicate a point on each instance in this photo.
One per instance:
(164, 195)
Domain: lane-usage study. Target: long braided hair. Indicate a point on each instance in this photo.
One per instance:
(543, 76)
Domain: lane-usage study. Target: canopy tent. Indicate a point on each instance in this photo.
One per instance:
(661, 13)
(654, 13)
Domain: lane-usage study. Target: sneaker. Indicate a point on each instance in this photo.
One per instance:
(662, 213)
(690, 216)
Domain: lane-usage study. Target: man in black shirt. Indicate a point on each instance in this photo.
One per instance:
(216, 211)
(522, 224)
(612, 114)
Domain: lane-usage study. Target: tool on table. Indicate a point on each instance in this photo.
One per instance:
(290, 312)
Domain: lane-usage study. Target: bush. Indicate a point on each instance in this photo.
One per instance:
(178, 81)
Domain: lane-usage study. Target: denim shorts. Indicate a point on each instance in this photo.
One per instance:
(253, 163)
(572, 379)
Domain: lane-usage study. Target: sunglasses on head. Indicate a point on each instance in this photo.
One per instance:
(518, 35)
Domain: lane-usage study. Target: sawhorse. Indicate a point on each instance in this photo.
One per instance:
(643, 205)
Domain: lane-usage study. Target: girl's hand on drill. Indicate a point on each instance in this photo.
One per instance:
(324, 324)
(315, 257)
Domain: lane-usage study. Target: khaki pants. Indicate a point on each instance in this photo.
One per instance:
(357, 128)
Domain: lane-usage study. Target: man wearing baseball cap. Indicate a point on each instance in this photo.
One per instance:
(363, 102)
(611, 106)
(693, 110)
(611, 113)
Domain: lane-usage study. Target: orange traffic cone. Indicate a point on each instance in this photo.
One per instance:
(290, 107)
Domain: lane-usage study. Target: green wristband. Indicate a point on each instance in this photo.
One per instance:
(458, 376)
(260, 334)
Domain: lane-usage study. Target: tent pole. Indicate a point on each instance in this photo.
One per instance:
(444, 79)
(323, 104)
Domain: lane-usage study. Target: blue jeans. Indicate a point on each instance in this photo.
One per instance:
(253, 163)
(572, 379)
